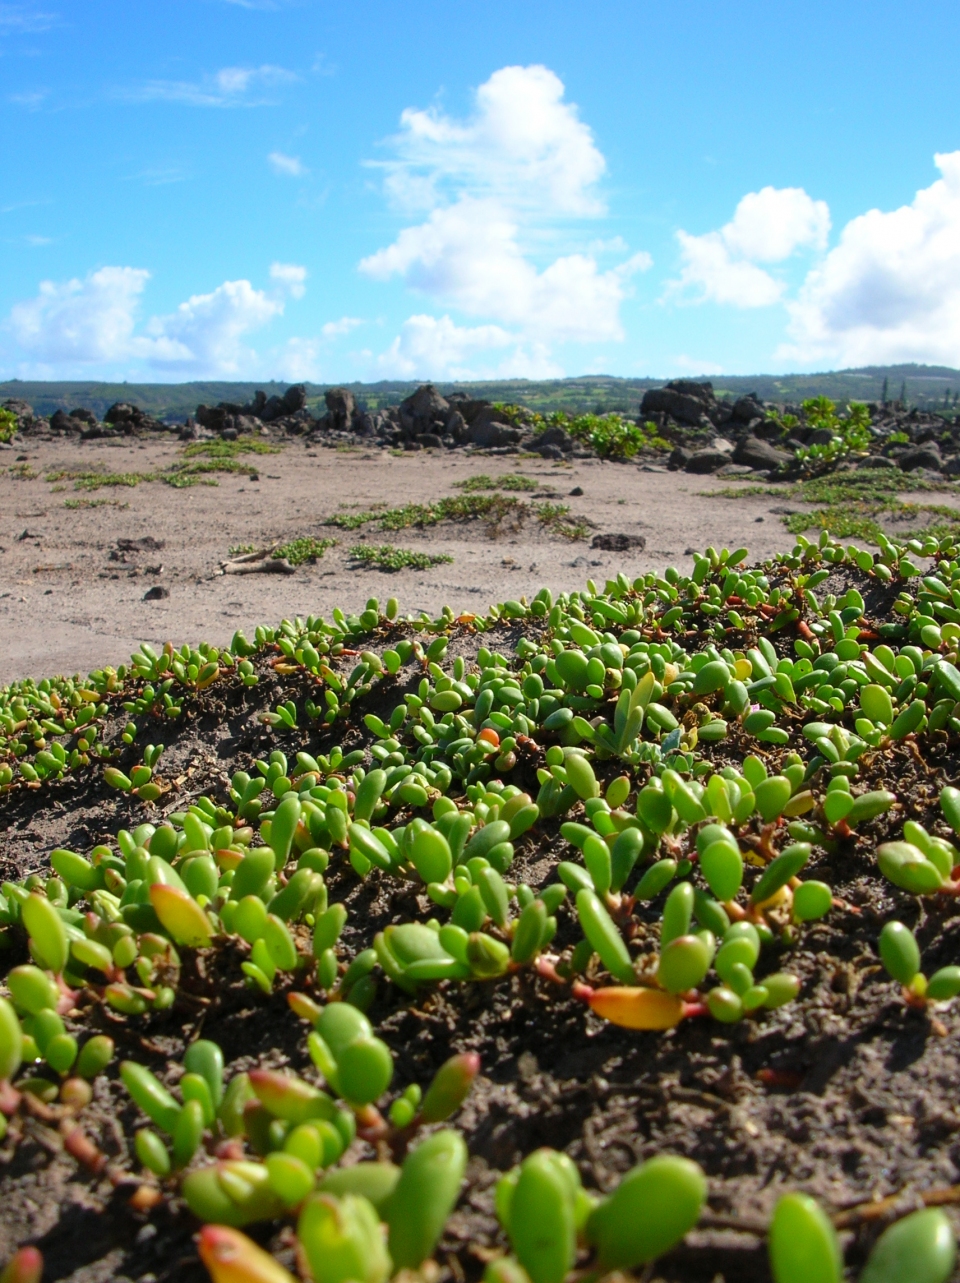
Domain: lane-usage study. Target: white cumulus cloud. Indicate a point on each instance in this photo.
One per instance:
(523, 143)
(290, 277)
(208, 331)
(767, 227)
(81, 322)
(889, 291)
(467, 255)
(434, 347)
(289, 166)
(495, 190)
(88, 324)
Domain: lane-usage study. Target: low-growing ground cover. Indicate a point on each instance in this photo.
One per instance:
(387, 557)
(856, 504)
(663, 869)
(500, 512)
(196, 466)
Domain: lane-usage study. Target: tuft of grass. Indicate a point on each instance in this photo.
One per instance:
(180, 476)
(220, 449)
(736, 492)
(300, 550)
(240, 549)
(509, 481)
(387, 557)
(94, 503)
(839, 522)
(851, 505)
(96, 480)
(500, 512)
(192, 474)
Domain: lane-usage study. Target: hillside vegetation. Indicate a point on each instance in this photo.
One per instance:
(926, 387)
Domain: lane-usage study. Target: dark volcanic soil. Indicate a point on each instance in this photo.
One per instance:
(845, 1093)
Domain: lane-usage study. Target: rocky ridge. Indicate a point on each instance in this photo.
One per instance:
(705, 434)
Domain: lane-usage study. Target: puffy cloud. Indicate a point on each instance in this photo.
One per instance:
(523, 144)
(290, 277)
(229, 87)
(434, 347)
(890, 290)
(430, 347)
(80, 322)
(206, 333)
(709, 268)
(767, 227)
(468, 256)
(80, 325)
(492, 186)
(289, 166)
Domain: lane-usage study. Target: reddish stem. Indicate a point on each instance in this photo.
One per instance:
(695, 1009)
(9, 1098)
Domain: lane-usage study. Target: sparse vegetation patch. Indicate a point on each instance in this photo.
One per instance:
(387, 557)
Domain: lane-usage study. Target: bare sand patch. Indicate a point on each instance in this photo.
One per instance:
(71, 600)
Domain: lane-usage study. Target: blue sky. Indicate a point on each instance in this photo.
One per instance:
(359, 190)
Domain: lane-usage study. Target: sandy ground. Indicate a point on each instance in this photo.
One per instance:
(67, 606)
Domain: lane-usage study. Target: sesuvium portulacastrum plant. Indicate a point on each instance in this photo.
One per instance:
(674, 755)
(369, 1229)
(296, 1130)
(804, 1247)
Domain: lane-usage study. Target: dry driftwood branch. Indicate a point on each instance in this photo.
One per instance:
(261, 562)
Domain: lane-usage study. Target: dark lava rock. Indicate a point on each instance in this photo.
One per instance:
(420, 411)
(341, 407)
(60, 421)
(294, 399)
(951, 467)
(708, 460)
(147, 543)
(619, 542)
(272, 410)
(19, 409)
(755, 453)
(487, 431)
(683, 399)
(680, 456)
(923, 456)
(156, 593)
(747, 408)
(85, 416)
(820, 436)
(556, 436)
(120, 412)
(769, 430)
(429, 440)
(547, 451)
(876, 461)
(255, 406)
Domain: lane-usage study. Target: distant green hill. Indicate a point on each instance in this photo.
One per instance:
(926, 386)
